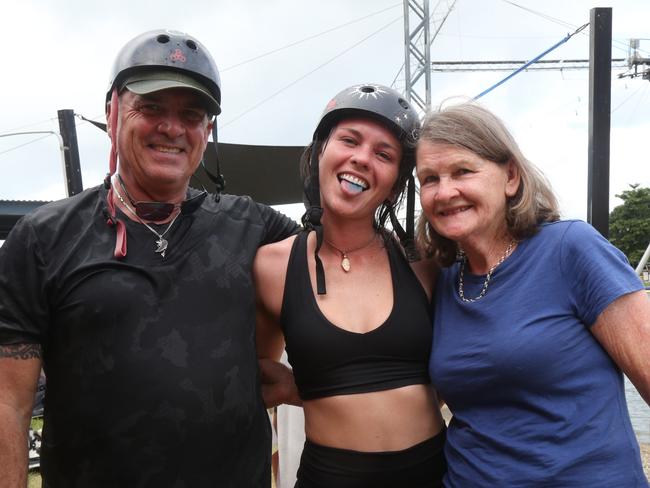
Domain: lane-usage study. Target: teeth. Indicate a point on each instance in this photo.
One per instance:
(453, 211)
(167, 149)
(354, 180)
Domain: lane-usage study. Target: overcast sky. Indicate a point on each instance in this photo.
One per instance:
(58, 54)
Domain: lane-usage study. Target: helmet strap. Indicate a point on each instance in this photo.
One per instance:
(217, 179)
(406, 237)
(120, 240)
(311, 220)
(112, 160)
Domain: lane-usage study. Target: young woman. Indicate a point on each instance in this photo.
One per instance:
(354, 315)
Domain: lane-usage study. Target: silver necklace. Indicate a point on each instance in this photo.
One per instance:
(486, 283)
(345, 260)
(161, 243)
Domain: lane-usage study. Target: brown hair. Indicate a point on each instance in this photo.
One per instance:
(472, 127)
(406, 165)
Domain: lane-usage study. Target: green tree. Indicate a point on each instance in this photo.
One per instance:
(629, 223)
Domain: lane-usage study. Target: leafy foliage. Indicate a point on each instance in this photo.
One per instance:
(629, 223)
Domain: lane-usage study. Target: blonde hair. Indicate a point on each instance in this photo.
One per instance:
(472, 127)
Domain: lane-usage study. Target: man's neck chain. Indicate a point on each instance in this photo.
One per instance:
(161, 243)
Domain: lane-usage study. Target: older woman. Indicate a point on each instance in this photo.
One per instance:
(535, 319)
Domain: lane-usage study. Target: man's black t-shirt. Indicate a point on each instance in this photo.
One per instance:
(151, 368)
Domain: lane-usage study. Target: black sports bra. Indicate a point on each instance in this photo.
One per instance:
(328, 360)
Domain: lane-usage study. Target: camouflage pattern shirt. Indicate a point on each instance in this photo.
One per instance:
(152, 376)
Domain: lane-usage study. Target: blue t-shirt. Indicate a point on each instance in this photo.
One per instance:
(536, 400)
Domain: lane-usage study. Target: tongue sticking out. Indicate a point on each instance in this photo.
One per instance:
(352, 187)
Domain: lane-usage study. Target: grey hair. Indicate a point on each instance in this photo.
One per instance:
(474, 128)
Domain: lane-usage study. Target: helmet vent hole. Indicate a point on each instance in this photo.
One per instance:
(403, 103)
(367, 89)
(162, 39)
(191, 44)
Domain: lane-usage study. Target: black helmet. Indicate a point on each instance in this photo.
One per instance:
(166, 50)
(391, 109)
(377, 101)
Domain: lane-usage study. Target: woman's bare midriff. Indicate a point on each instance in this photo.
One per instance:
(389, 420)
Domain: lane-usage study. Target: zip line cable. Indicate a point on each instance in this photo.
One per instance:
(23, 144)
(540, 14)
(625, 101)
(273, 51)
(623, 45)
(519, 70)
(32, 124)
(257, 105)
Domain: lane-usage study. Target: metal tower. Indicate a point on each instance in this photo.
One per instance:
(418, 25)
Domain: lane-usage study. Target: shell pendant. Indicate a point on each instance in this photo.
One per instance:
(345, 263)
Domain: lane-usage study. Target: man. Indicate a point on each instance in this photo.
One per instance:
(148, 348)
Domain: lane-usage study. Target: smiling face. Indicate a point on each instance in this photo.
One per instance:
(358, 168)
(161, 139)
(464, 196)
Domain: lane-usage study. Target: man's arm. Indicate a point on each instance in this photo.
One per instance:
(278, 226)
(20, 366)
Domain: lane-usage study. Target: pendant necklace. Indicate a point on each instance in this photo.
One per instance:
(484, 289)
(345, 260)
(161, 243)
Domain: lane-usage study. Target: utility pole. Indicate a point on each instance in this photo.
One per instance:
(72, 164)
(600, 94)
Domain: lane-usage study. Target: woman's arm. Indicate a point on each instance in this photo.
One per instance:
(623, 329)
(269, 273)
(427, 272)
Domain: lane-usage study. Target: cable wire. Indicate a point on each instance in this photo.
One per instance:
(519, 70)
(273, 95)
(626, 99)
(623, 46)
(23, 144)
(273, 51)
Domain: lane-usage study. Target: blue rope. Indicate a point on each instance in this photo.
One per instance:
(569, 36)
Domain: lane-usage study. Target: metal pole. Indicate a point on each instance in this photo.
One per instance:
(407, 52)
(56, 134)
(72, 165)
(600, 81)
(644, 260)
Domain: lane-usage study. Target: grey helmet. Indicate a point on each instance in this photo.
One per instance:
(376, 101)
(390, 108)
(168, 50)
(155, 51)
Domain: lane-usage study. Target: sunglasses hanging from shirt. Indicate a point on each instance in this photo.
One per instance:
(156, 211)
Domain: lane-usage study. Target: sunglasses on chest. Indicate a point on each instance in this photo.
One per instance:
(156, 211)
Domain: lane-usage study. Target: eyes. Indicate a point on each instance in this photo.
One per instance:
(431, 178)
(381, 153)
(191, 116)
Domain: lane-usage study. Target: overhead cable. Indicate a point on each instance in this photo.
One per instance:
(257, 105)
(569, 36)
(273, 51)
(623, 45)
(23, 144)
